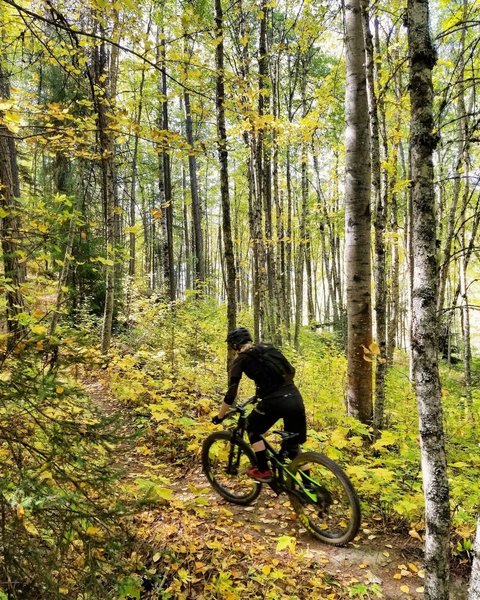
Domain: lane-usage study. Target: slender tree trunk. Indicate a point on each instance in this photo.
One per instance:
(166, 186)
(424, 316)
(188, 257)
(107, 149)
(357, 220)
(224, 190)
(474, 589)
(199, 261)
(379, 226)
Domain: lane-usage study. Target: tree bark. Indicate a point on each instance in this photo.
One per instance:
(103, 100)
(199, 261)
(10, 226)
(424, 308)
(357, 220)
(474, 589)
(224, 190)
(166, 189)
(379, 227)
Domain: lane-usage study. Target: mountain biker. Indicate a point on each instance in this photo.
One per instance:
(278, 397)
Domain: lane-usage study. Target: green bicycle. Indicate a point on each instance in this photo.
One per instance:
(320, 492)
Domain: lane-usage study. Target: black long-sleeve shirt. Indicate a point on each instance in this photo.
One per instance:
(266, 382)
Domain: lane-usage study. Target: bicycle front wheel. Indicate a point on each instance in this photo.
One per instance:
(225, 460)
(324, 499)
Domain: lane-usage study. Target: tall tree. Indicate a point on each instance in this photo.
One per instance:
(223, 159)
(422, 58)
(357, 219)
(10, 223)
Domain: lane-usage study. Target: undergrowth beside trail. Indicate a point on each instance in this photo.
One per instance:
(91, 509)
(174, 375)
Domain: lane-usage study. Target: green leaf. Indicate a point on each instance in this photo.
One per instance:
(129, 587)
(286, 541)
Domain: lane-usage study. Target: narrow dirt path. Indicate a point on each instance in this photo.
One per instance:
(391, 561)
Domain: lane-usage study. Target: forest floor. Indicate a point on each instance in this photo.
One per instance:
(207, 529)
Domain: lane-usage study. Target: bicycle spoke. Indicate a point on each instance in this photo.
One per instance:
(324, 499)
(225, 464)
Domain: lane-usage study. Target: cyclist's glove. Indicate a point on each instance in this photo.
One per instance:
(216, 420)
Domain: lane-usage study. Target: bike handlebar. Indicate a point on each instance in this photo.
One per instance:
(240, 408)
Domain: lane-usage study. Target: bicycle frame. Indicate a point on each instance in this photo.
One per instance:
(282, 475)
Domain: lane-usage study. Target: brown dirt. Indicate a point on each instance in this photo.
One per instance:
(392, 561)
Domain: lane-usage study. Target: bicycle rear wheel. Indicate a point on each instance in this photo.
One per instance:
(324, 499)
(225, 460)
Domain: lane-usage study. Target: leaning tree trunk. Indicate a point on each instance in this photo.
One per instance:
(357, 220)
(474, 589)
(424, 308)
(224, 191)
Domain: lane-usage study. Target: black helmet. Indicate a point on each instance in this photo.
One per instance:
(238, 336)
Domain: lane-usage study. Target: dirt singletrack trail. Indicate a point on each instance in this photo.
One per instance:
(390, 564)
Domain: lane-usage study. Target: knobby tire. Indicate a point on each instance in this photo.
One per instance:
(236, 487)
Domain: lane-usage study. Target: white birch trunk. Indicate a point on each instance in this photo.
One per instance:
(474, 590)
(424, 305)
(357, 219)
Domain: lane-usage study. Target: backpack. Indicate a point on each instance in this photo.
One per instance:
(273, 362)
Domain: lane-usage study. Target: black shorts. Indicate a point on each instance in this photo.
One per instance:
(287, 404)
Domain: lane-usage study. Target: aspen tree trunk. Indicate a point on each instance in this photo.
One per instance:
(10, 225)
(474, 589)
(133, 189)
(264, 185)
(288, 247)
(278, 201)
(357, 220)
(465, 320)
(460, 159)
(424, 308)
(188, 258)
(379, 219)
(328, 243)
(230, 279)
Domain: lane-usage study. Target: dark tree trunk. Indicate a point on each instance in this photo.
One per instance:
(224, 190)
(10, 226)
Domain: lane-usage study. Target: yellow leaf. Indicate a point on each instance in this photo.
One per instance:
(94, 531)
(38, 329)
(63, 590)
(266, 569)
(374, 348)
(405, 589)
(397, 576)
(420, 590)
(5, 376)
(156, 557)
(414, 533)
(30, 527)
(20, 511)
(413, 567)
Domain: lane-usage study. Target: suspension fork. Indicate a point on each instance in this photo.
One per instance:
(235, 451)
